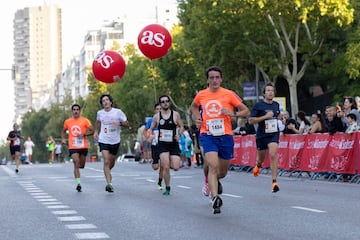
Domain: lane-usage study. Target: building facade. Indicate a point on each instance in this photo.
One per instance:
(37, 57)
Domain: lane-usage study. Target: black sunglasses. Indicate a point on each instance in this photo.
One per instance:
(165, 101)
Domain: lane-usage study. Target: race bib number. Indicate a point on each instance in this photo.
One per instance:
(110, 131)
(155, 140)
(216, 127)
(271, 125)
(78, 142)
(17, 141)
(166, 135)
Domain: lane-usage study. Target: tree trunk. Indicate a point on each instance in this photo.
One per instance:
(293, 97)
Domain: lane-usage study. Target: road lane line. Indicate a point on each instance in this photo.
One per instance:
(71, 218)
(98, 235)
(231, 195)
(64, 212)
(80, 226)
(182, 186)
(309, 209)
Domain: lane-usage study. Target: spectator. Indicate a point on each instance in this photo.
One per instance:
(281, 124)
(317, 123)
(304, 124)
(244, 127)
(349, 106)
(290, 125)
(285, 117)
(332, 121)
(352, 124)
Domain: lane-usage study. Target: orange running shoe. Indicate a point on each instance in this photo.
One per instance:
(256, 171)
(275, 187)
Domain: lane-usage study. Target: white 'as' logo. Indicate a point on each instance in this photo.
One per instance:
(156, 39)
(104, 60)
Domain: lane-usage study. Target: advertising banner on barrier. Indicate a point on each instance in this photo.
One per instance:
(337, 153)
(341, 154)
(244, 151)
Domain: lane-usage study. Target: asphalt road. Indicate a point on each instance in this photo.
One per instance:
(41, 203)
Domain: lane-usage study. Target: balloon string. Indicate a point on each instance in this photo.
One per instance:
(153, 79)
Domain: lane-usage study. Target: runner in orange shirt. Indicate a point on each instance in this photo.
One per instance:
(78, 129)
(218, 107)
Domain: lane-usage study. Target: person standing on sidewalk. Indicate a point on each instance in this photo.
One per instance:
(218, 108)
(78, 128)
(265, 113)
(109, 121)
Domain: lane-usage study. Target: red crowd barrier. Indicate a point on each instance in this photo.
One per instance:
(337, 153)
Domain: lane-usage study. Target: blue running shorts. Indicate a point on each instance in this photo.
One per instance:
(223, 145)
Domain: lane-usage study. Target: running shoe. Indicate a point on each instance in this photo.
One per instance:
(216, 204)
(109, 188)
(206, 190)
(275, 187)
(159, 187)
(78, 188)
(220, 188)
(256, 171)
(166, 192)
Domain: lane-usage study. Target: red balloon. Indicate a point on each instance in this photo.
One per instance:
(154, 41)
(108, 66)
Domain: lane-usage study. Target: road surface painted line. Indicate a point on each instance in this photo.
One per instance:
(181, 186)
(149, 180)
(309, 209)
(52, 203)
(80, 226)
(64, 212)
(98, 235)
(47, 200)
(38, 193)
(58, 207)
(43, 196)
(231, 195)
(72, 218)
(34, 191)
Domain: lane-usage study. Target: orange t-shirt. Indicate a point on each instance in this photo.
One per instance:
(76, 126)
(213, 121)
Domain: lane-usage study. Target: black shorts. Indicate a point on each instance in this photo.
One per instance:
(112, 148)
(14, 149)
(83, 151)
(155, 155)
(172, 148)
(262, 143)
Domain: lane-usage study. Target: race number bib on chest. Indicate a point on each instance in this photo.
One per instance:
(110, 130)
(271, 125)
(78, 142)
(216, 127)
(166, 135)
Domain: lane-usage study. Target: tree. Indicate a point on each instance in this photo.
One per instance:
(280, 38)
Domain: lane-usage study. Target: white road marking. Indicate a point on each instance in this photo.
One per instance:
(231, 195)
(72, 218)
(47, 200)
(57, 206)
(309, 209)
(182, 186)
(43, 196)
(52, 203)
(64, 212)
(80, 226)
(98, 235)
